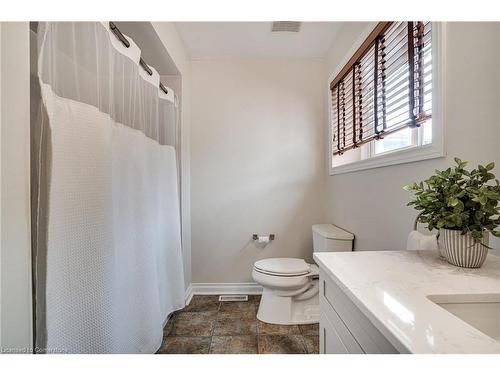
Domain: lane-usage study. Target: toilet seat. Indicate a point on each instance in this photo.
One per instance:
(287, 267)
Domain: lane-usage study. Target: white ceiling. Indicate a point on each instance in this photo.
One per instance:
(215, 40)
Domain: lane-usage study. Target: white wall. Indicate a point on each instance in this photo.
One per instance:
(15, 263)
(170, 38)
(372, 203)
(257, 163)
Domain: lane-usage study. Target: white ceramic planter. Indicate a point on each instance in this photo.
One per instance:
(461, 250)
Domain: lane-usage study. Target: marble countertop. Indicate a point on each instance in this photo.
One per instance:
(391, 289)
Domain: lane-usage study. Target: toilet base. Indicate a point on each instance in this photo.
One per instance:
(277, 309)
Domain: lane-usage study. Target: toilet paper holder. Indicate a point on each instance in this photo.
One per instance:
(255, 237)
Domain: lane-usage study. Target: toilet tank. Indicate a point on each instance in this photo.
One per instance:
(328, 237)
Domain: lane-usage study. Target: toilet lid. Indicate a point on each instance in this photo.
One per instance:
(283, 266)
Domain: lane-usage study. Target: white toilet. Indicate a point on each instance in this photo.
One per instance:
(290, 285)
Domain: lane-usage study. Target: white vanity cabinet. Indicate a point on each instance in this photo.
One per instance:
(343, 327)
(399, 301)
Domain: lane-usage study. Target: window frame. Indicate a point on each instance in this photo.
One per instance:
(435, 149)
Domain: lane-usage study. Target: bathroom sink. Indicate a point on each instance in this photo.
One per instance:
(482, 311)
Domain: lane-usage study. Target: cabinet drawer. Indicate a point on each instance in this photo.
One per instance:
(366, 335)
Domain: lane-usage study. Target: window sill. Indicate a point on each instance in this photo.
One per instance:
(408, 155)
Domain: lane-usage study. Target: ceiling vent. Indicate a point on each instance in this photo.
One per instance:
(286, 26)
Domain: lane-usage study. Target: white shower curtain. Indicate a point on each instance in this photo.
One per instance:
(111, 258)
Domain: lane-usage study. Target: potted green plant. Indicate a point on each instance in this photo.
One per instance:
(463, 206)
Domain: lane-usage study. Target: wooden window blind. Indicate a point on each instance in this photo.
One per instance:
(386, 86)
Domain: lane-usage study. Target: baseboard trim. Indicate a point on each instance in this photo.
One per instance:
(226, 288)
(188, 296)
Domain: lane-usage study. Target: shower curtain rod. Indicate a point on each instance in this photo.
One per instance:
(126, 43)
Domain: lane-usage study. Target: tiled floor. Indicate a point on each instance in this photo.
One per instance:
(210, 326)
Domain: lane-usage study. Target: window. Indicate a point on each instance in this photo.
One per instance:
(382, 99)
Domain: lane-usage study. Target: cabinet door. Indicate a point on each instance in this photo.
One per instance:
(360, 332)
(329, 340)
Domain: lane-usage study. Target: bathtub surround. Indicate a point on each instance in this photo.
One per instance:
(372, 203)
(257, 163)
